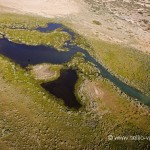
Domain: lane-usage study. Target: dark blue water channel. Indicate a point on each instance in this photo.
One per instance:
(53, 26)
(24, 55)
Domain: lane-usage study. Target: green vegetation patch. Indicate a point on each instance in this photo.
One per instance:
(29, 115)
(130, 65)
(84, 68)
(96, 22)
(31, 118)
(1, 36)
(56, 38)
(40, 115)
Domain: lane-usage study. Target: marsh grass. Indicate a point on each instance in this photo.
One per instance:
(83, 67)
(21, 29)
(96, 22)
(1, 36)
(36, 116)
(56, 38)
(9, 20)
(57, 120)
(128, 64)
(31, 118)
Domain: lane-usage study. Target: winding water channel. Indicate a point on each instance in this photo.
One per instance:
(24, 55)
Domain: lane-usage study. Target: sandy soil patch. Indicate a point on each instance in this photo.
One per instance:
(122, 22)
(92, 90)
(43, 72)
(43, 7)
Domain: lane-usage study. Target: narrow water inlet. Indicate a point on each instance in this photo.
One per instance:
(49, 27)
(54, 26)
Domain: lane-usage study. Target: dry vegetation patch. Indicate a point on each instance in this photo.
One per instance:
(45, 72)
(92, 90)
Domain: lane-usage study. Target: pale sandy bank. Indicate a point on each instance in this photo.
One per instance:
(43, 7)
(117, 25)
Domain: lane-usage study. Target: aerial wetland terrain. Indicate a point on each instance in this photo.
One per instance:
(65, 85)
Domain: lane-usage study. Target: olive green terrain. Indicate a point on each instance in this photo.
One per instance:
(128, 64)
(31, 118)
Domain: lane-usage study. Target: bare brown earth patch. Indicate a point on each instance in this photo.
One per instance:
(44, 72)
(92, 90)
